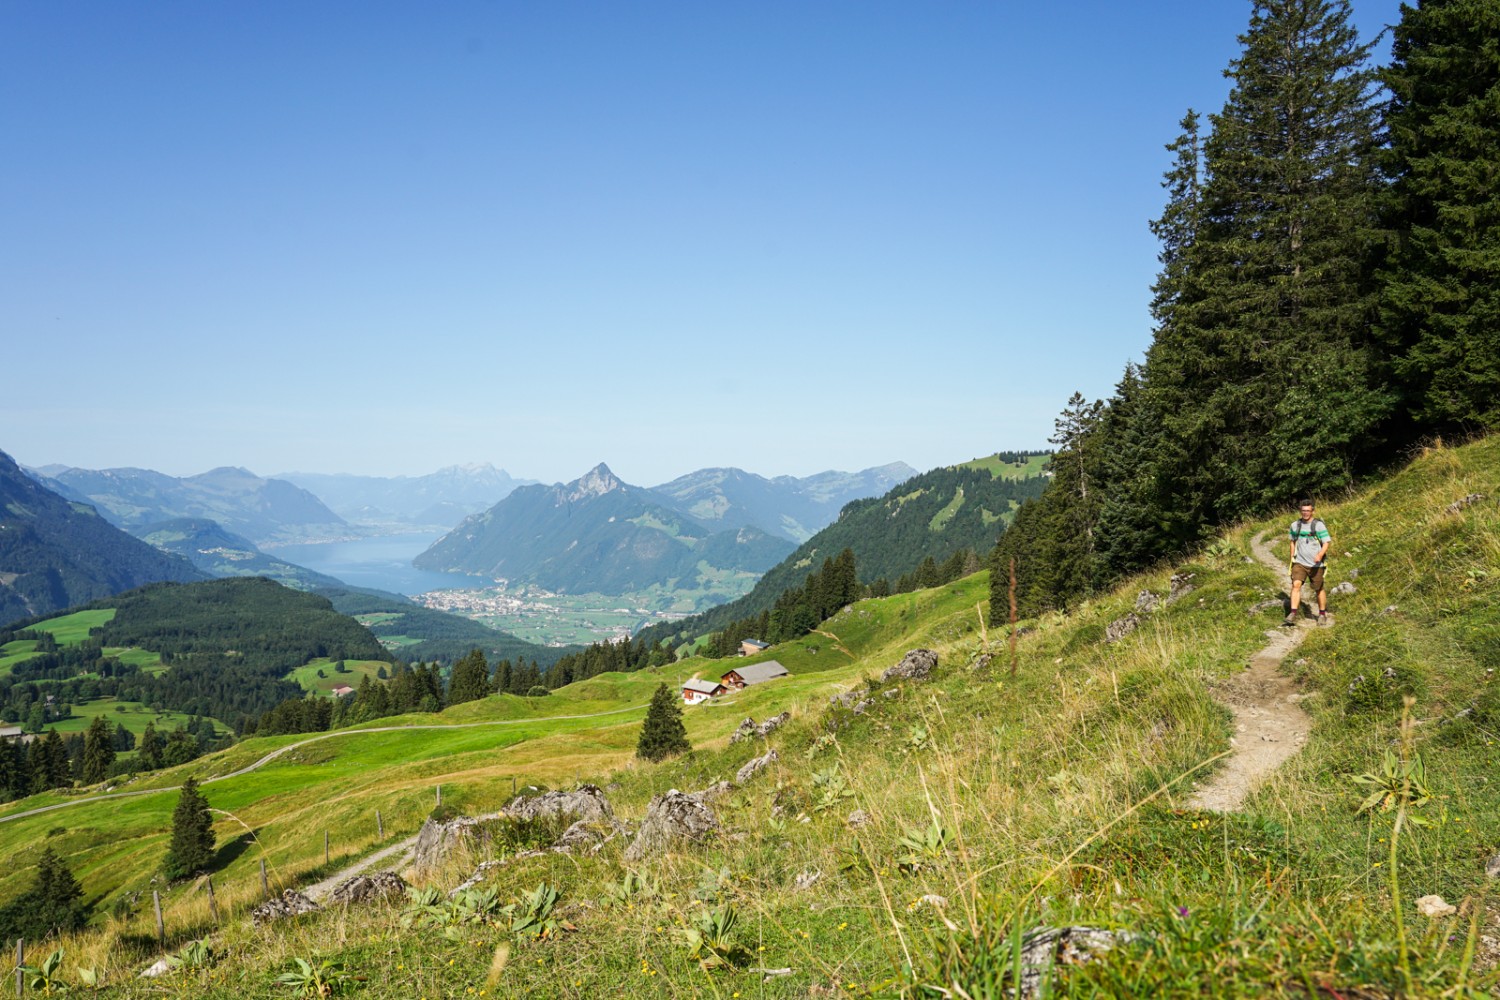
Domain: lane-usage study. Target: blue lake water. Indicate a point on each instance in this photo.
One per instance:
(383, 563)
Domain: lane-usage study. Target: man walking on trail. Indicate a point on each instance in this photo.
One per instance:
(1310, 542)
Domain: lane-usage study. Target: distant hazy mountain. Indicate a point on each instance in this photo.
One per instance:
(440, 499)
(55, 552)
(223, 553)
(598, 534)
(794, 509)
(263, 510)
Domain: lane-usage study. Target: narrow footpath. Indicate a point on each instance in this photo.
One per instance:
(1270, 726)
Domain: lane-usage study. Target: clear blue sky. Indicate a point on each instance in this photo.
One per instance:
(386, 237)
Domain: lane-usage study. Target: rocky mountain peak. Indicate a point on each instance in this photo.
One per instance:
(594, 483)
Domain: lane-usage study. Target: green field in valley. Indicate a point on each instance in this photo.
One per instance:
(307, 676)
(131, 714)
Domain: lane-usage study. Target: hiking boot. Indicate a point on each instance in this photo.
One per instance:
(1291, 618)
(1323, 620)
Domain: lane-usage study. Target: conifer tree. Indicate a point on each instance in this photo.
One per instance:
(662, 734)
(1440, 309)
(1263, 379)
(151, 747)
(192, 847)
(53, 903)
(98, 751)
(470, 680)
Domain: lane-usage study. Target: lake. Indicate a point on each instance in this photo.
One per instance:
(383, 563)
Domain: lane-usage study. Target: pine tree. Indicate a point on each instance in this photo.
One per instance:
(662, 734)
(1440, 312)
(192, 847)
(98, 751)
(1263, 379)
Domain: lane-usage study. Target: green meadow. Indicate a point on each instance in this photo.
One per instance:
(356, 670)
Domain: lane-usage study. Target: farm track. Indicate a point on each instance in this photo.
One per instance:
(268, 758)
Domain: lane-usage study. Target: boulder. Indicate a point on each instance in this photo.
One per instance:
(1042, 947)
(1345, 588)
(580, 835)
(672, 818)
(369, 888)
(916, 665)
(1145, 602)
(436, 840)
(1278, 604)
(1492, 867)
(1180, 586)
(772, 724)
(1121, 627)
(745, 730)
(290, 903)
(754, 766)
(1462, 502)
(586, 802)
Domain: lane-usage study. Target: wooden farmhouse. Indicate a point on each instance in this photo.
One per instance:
(754, 673)
(700, 689)
(343, 691)
(749, 647)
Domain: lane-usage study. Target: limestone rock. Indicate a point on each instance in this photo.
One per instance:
(754, 766)
(713, 792)
(672, 818)
(1180, 586)
(1435, 907)
(1145, 602)
(1492, 867)
(1344, 588)
(160, 967)
(1256, 609)
(983, 663)
(772, 724)
(1121, 627)
(586, 803)
(858, 818)
(1462, 502)
(862, 706)
(368, 888)
(806, 880)
(1044, 946)
(436, 840)
(916, 665)
(290, 903)
(744, 730)
(580, 835)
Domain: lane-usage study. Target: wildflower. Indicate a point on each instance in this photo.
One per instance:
(1182, 911)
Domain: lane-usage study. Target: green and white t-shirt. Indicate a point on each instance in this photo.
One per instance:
(1309, 536)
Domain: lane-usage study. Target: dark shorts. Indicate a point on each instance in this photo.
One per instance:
(1301, 574)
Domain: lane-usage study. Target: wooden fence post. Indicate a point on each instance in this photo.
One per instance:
(161, 927)
(379, 826)
(213, 904)
(439, 795)
(325, 847)
(20, 961)
(265, 887)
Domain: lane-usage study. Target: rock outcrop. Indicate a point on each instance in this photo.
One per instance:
(1121, 627)
(916, 665)
(586, 803)
(368, 888)
(290, 903)
(436, 840)
(754, 766)
(672, 818)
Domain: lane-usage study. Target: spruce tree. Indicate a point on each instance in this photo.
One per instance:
(470, 680)
(98, 751)
(1264, 377)
(53, 903)
(151, 748)
(1440, 309)
(662, 734)
(192, 847)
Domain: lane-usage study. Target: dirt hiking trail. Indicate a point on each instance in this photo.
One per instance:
(1269, 725)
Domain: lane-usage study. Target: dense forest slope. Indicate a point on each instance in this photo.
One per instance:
(220, 552)
(931, 516)
(596, 534)
(55, 553)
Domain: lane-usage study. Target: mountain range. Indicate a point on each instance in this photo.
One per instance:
(599, 534)
(56, 553)
(266, 511)
(440, 499)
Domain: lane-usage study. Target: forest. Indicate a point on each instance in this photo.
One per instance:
(1326, 300)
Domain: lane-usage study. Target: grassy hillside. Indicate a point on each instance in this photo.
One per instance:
(991, 802)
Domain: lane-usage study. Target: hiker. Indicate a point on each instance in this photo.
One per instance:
(1310, 542)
